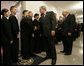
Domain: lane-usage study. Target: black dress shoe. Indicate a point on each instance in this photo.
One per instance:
(62, 51)
(67, 54)
(53, 62)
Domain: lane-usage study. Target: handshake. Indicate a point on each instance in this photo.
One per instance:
(33, 35)
(35, 28)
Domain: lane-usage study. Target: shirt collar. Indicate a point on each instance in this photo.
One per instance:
(7, 17)
(67, 14)
(45, 13)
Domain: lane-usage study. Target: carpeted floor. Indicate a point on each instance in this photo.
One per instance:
(35, 60)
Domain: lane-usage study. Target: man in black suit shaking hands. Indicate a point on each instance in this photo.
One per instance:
(48, 22)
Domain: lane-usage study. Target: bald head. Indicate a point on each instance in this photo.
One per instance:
(65, 12)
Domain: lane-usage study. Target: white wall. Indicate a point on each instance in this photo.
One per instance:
(34, 6)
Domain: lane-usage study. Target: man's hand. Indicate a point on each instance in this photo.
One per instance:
(11, 41)
(18, 36)
(75, 29)
(69, 34)
(59, 28)
(1, 51)
(56, 27)
(33, 35)
(40, 35)
(35, 28)
(53, 33)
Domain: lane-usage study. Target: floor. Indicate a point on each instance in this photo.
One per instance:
(75, 59)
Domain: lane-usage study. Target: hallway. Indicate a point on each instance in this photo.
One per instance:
(73, 7)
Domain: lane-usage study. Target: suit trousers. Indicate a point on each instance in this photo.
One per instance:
(50, 47)
(6, 54)
(68, 44)
(14, 50)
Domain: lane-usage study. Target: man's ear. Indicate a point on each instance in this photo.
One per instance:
(10, 10)
(4, 12)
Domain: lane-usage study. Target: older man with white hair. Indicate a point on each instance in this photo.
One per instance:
(67, 32)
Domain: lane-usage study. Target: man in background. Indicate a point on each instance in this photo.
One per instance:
(67, 32)
(15, 33)
(26, 34)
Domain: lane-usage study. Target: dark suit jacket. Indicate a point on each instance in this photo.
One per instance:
(26, 34)
(37, 24)
(48, 23)
(26, 30)
(6, 34)
(26, 26)
(68, 25)
(14, 24)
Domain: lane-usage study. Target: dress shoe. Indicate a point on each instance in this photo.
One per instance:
(67, 54)
(53, 62)
(62, 51)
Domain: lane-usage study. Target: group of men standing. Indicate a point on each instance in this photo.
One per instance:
(32, 30)
(38, 33)
(9, 32)
(44, 28)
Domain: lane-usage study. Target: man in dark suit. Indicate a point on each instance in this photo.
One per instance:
(67, 32)
(37, 34)
(25, 13)
(58, 30)
(26, 34)
(6, 37)
(0, 44)
(22, 34)
(15, 32)
(48, 22)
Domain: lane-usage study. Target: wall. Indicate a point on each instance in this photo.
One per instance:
(34, 6)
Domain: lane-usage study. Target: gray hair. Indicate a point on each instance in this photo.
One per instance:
(43, 7)
(66, 10)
